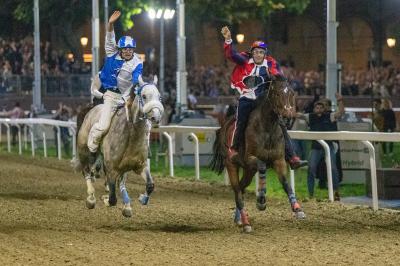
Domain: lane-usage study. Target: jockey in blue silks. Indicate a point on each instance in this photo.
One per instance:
(118, 76)
(254, 68)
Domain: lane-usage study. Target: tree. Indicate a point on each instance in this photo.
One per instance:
(64, 19)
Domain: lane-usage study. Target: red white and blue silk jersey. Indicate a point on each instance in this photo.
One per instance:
(245, 66)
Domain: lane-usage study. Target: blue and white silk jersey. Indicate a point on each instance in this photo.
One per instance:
(116, 72)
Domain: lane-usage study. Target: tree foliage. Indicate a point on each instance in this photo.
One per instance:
(78, 12)
(232, 11)
(66, 17)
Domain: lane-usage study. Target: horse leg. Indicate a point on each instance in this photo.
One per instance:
(248, 174)
(112, 198)
(240, 216)
(91, 199)
(127, 210)
(280, 168)
(262, 188)
(144, 198)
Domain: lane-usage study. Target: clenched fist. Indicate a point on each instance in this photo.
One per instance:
(226, 33)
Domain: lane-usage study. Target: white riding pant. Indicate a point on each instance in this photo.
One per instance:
(111, 101)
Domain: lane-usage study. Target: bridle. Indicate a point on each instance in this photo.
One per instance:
(141, 100)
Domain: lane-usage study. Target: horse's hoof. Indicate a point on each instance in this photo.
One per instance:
(144, 199)
(105, 199)
(127, 212)
(90, 202)
(112, 202)
(236, 217)
(247, 228)
(261, 207)
(261, 203)
(299, 215)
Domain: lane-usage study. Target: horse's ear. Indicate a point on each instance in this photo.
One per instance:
(155, 80)
(141, 82)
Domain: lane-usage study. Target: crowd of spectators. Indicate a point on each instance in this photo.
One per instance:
(381, 81)
(16, 57)
(214, 81)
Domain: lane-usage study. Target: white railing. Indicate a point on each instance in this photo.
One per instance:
(30, 122)
(364, 137)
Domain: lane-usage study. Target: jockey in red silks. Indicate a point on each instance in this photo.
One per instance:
(249, 77)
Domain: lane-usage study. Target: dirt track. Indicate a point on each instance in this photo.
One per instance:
(43, 221)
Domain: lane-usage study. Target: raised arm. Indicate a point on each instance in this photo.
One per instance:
(340, 112)
(229, 51)
(110, 45)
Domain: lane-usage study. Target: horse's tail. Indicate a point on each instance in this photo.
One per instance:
(217, 161)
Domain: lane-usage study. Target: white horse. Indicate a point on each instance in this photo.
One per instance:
(124, 147)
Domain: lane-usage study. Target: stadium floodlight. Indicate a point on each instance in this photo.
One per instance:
(169, 13)
(152, 13)
(162, 15)
(159, 13)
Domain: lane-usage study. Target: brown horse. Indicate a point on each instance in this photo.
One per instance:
(263, 148)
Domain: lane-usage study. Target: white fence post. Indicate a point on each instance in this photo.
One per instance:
(8, 137)
(26, 137)
(374, 184)
(44, 144)
(73, 142)
(59, 142)
(328, 168)
(32, 141)
(196, 155)
(170, 154)
(19, 139)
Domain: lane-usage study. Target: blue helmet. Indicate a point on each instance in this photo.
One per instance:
(259, 44)
(126, 42)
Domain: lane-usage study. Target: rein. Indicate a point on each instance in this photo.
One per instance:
(142, 106)
(287, 100)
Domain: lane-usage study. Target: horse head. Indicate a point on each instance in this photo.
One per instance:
(150, 100)
(280, 97)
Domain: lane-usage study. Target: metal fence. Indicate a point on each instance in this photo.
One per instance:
(66, 85)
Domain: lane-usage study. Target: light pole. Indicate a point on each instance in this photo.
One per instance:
(331, 52)
(181, 74)
(105, 16)
(37, 97)
(95, 37)
(162, 15)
